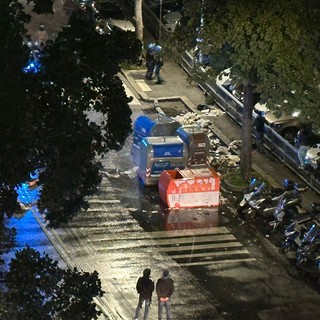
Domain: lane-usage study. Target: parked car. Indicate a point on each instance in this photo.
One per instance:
(171, 19)
(167, 5)
(287, 125)
(169, 12)
(85, 3)
(108, 16)
(313, 156)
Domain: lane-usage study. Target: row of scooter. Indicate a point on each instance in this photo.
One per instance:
(281, 213)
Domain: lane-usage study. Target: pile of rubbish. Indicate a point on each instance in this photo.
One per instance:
(220, 155)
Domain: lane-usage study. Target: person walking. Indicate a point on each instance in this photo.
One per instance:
(41, 36)
(145, 288)
(164, 289)
(150, 63)
(303, 145)
(259, 129)
(158, 63)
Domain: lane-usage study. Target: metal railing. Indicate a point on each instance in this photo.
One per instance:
(279, 146)
(153, 22)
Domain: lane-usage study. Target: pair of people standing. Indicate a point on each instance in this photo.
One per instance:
(154, 62)
(164, 290)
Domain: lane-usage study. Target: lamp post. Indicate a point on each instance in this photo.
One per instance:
(160, 19)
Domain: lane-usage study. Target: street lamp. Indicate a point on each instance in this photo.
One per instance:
(160, 19)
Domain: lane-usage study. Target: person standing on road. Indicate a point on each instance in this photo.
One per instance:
(164, 289)
(259, 129)
(150, 60)
(145, 287)
(41, 36)
(158, 63)
(303, 145)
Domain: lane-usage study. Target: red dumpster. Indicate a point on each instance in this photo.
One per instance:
(189, 188)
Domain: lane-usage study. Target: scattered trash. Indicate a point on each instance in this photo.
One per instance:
(220, 155)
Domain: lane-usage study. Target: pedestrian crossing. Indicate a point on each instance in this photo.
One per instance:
(187, 247)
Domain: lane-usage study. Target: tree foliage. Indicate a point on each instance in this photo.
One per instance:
(272, 49)
(42, 6)
(61, 118)
(39, 289)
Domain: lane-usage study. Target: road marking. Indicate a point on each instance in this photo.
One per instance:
(191, 247)
(190, 232)
(209, 238)
(208, 254)
(202, 246)
(143, 85)
(165, 234)
(230, 261)
(129, 93)
(104, 201)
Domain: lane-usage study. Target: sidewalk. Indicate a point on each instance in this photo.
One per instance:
(177, 85)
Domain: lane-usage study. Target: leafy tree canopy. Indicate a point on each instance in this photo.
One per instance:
(37, 288)
(42, 6)
(46, 118)
(272, 49)
(273, 44)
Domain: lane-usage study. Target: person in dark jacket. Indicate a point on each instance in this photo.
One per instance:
(259, 128)
(145, 287)
(303, 141)
(150, 63)
(164, 289)
(158, 63)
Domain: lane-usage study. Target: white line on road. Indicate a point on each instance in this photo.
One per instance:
(143, 85)
(208, 254)
(204, 263)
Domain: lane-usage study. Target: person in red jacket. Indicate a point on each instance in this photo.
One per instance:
(145, 287)
(164, 289)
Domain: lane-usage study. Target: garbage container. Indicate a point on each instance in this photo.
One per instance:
(158, 154)
(189, 188)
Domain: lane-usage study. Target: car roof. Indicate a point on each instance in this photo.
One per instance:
(172, 16)
(109, 10)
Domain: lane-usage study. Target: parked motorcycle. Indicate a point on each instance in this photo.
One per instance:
(285, 212)
(264, 203)
(308, 254)
(285, 205)
(250, 194)
(295, 231)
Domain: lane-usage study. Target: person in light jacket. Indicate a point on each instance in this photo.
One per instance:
(164, 289)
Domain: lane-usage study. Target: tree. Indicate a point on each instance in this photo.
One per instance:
(272, 49)
(44, 117)
(39, 289)
(139, 19)
(42, 6)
